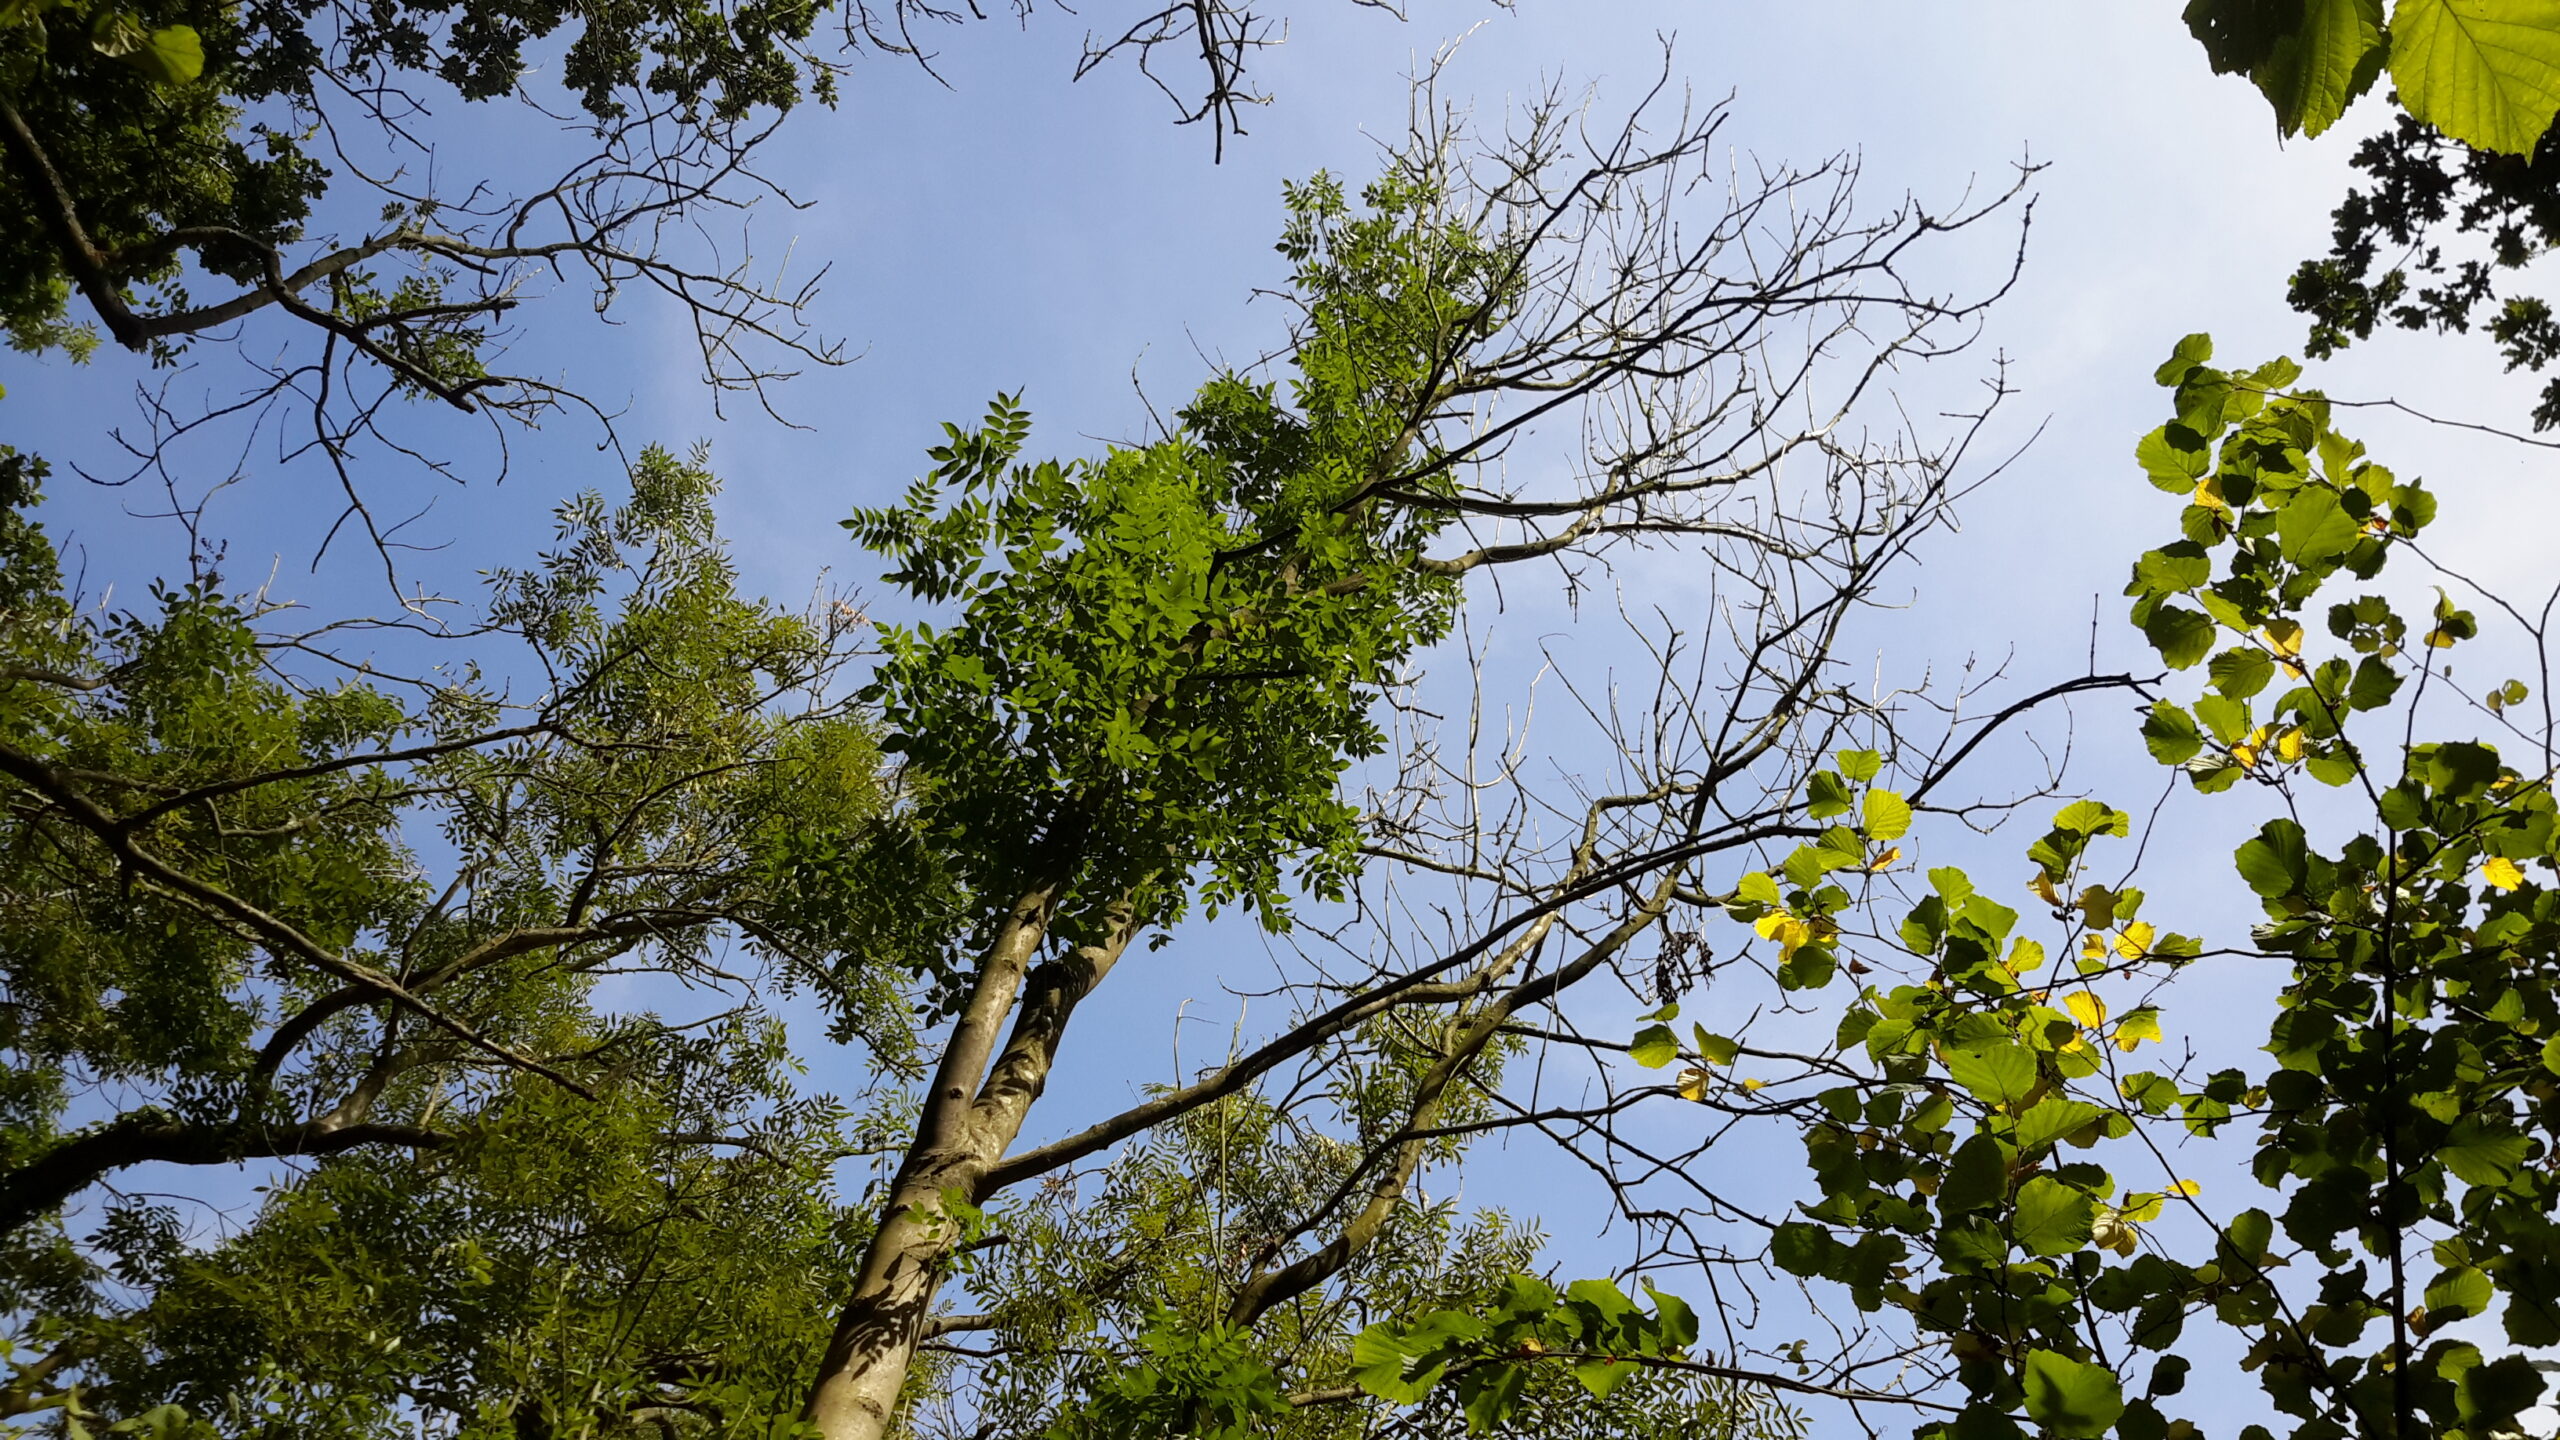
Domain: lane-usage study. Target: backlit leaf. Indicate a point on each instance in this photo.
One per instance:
(2053, 1218)
(2073, 1400)
(2316, 70)
(2486, 72)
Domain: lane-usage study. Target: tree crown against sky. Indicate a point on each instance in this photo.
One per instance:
(1158, 667)
(202, 170)
(2462, 185)
(1096, 657)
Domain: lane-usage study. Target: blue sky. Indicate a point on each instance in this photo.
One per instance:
(1001, 229)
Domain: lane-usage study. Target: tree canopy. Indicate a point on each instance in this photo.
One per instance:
(2462, 185)
(609, 1005)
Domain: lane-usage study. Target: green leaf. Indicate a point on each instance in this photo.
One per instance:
(1654, 1047)
(2551, 1054)
(1976, 1178)
(1674, 1320)
(2053, 1218)
(1759, 888)
(2486, 72)
(2052, 1118)
(2250, 1232)
(2241, 671)
(2481, 1155)
(2488, 1396)
(2275, 862)
(1601, 1376)
(1826, 795)
(1888, 815)
(1716, 1049)
(1860, 765)
(2174, 457)
(171, 55)
(2093, 817)
(2182, 636)
(2191, 352)
(2313, 73)
(2464, 1289)
(2170, 734)
(2073, 1400)
(1999, 1074)
(1810, 968)
(2170, 570)
(1494, 1394)
(2227, 718)
(2375, 683)
(2314, 529)
(1802, 1250)
(1379, 1361)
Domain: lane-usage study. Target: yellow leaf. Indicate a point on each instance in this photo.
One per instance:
(1753, 1084)
(2246, 756)
(2141, 1025)
(2284, 637)
(2209, 493)
(2136, 940)
(2086, 1008)
(2093, 947)
(2042, 886)
(2026, 957)
(1694, 1083)
(1885, 860)
(1790, 932)
(2186, 1187)
(2289, 744)
(2502, 872)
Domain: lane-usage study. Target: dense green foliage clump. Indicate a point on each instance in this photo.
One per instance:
(256, 912)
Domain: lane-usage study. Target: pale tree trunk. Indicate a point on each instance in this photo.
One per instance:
(959, 1138)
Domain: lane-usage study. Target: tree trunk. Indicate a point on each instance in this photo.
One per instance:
(959, 1138)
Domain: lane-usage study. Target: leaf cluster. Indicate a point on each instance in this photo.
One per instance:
(1161, 661)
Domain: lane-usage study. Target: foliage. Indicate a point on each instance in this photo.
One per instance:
(1146, 1256)
(1162, 661)
(264, 146)
(2484, 72)
(1148, 683)
(545, 1275)
(227, 939)
(2464, 185)
(518, 1199)
(2407, 1108)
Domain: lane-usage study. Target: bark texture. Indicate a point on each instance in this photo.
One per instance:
(979, 1100)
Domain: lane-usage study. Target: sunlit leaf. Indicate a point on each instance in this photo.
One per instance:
(2486, 72)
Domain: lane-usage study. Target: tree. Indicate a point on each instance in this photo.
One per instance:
(1128, 690)
(2463, 182)
(176, 168)
(1138, 1258)
(268, 900)
(2405, 1120)
(1152, 669)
